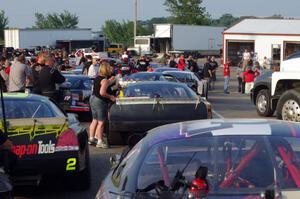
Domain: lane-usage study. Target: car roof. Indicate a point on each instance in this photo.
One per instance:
(24, 96)
(76, 76)
(155, 83)
(178, 71)
(223, 127)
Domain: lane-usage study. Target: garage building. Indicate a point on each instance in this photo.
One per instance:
(275, 39)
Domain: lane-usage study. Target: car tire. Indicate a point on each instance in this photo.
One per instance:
(263, 103)
(81, 180)
(117, 138)
(288, 107)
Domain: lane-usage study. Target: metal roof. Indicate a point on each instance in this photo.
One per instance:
(266, 26)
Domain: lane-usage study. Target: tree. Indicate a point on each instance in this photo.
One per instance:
(226, 20)
(55, 20)
(187, 12)
(121, 32)
(3, 24)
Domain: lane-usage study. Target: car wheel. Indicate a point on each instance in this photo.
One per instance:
(288, 107)
(81, 180)
(263, 103)
(117, 138)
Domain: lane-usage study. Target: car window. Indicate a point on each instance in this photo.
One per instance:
(17, 109)
(287, 157)
(168, 91)
(79, 83)
(294, 56)
(143, 77)
(231, 162)
(125, 165)
(182, 77)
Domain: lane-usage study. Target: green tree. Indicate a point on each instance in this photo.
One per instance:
(226, 20)
(121, 32)
(56, 20)
(3, 24)
(187, 12)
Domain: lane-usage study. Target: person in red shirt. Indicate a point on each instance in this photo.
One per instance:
(181, 63)
(226, 75)
(249, 77)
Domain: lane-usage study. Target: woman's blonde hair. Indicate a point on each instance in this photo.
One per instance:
(105, 69)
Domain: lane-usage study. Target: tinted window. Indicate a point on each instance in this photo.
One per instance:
(230, 161)
(170, 91)
(17, 109)
(144, 77)
(79, 83)
(182, 77)
(294, 56)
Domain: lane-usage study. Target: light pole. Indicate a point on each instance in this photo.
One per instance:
(135, 19)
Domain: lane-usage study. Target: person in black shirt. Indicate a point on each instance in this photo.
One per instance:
(192, 64)
(143, 64)
(100, 100)
(87, 64)
(172, 62)
(48, 77)
(207, 72)
(213, 67)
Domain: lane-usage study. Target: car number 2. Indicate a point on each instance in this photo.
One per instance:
(71, 164)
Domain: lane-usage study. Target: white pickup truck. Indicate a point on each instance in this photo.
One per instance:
(280, 91)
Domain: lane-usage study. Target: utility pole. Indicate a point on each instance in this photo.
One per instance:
(135, 19)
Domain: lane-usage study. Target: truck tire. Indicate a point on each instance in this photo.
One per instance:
(288, 107)
(263, 103)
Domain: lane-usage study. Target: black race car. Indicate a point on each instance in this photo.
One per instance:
(145, 105)
(46, 140)
(75, 93)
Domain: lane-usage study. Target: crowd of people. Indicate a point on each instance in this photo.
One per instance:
(247, 71)
(37, 75)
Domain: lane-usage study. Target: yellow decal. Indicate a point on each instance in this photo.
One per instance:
(34, 130)
(71, 164)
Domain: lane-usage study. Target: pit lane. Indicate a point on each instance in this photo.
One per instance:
(235, 105)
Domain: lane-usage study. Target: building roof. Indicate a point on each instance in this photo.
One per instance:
(266, 26)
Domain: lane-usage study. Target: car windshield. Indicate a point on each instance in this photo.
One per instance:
(79, 83)
(235, 164)
(23, 108)
(144, 76)
(182, 77)
(169, 91)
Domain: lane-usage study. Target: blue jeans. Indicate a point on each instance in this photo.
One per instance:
(226, 84)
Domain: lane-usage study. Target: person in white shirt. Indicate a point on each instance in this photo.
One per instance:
(125, 56)
(246, 59)
(93, 69)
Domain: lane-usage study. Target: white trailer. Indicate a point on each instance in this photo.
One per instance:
(188, 37)
(30, 38)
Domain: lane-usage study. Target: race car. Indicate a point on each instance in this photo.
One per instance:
(145, 105)
(75, 93)
(213, 159)
(46, 141)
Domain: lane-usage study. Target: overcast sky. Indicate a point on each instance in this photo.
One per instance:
(92, 13)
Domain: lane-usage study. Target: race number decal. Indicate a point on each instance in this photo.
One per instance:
(71, 164)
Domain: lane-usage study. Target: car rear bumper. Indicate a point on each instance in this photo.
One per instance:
(47, 164)
(79, 108)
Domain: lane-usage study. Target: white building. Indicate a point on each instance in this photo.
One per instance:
(274, 38)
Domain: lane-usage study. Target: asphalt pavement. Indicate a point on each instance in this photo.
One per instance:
(233, 105)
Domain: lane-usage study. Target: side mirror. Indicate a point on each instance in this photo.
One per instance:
(114, 160)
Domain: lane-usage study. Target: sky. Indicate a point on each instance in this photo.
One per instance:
(93, 13)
